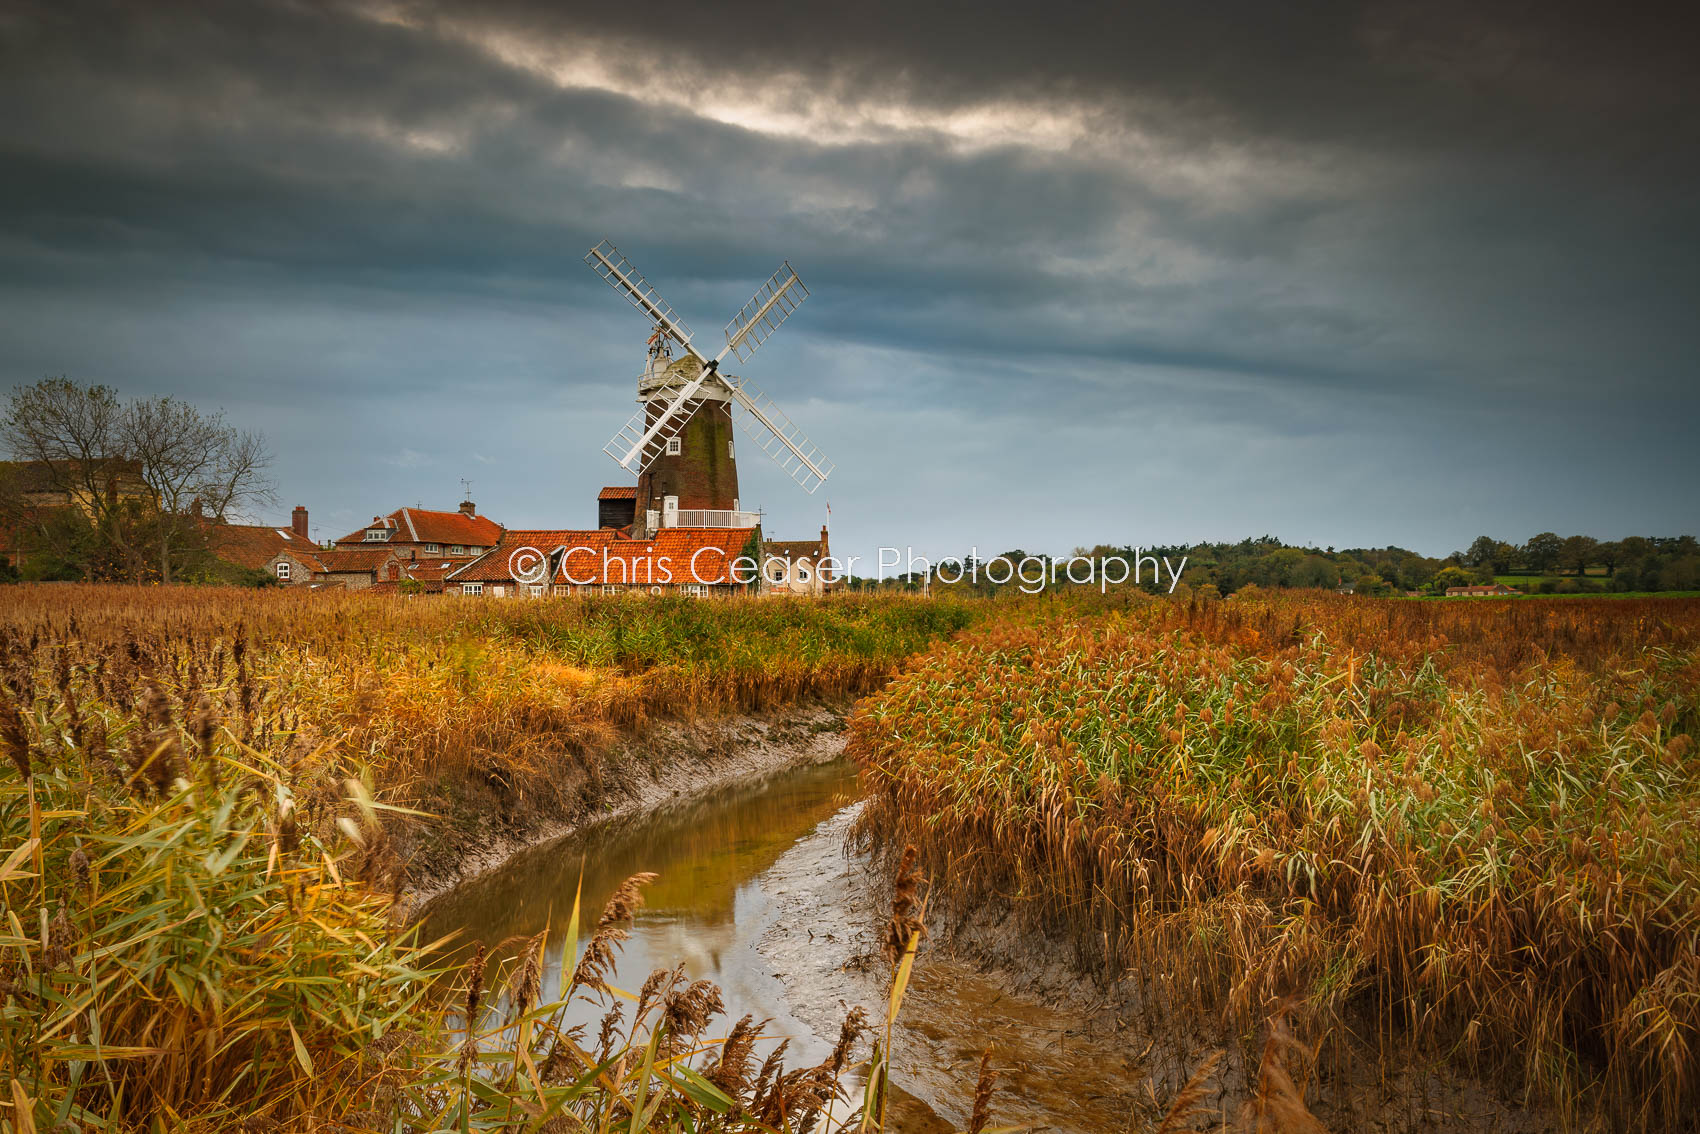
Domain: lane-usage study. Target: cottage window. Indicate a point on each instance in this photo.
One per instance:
(696, 590)
(802, 573)
(283, 571)
(537, 590)
(611, 588)
(675, 446)
(562, 590)
(457, 549)
(433, 549)
(472, 588)
(499, 590)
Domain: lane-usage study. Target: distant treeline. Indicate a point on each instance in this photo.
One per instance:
(1546, 564)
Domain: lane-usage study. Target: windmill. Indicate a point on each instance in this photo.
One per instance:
(680, 439)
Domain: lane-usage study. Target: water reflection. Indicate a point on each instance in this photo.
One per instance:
(704, 910)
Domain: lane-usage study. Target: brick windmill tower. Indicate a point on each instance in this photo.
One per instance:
(695, 470)
(680, 440)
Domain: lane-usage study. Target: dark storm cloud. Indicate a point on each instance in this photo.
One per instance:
(1233, 219)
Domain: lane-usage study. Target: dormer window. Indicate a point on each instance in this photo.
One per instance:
(377, 535)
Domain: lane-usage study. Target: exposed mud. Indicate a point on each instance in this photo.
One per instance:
(668, 762)
(760, 892)
(1075, 1055)
(1060, 1071)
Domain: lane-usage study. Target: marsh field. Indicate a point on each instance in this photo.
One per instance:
(1349, 834)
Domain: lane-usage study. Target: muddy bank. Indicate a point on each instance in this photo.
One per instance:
(1064, 1067)
(1087, 1051)
(668, 761)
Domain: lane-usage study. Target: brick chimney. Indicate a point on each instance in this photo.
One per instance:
(298, 521)
(468, 508)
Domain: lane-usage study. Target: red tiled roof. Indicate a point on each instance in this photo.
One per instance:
(417, 525)
(354, 559)
(618, 492)
(807, 550)
(674, 556)
(810, 551)
(254, 545)
(494, 566)
(433, 570)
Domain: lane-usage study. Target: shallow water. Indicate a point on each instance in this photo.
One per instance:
(705, 910)
(757, 893)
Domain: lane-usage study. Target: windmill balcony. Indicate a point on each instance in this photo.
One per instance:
(709, 518)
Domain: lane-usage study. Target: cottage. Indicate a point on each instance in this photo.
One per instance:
(33, 492)
(797, 567)
(286, 554)
(1498, 589)
(416, 534)
(555, 562)
(358, 569)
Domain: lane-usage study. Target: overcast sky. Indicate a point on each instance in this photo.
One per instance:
(1354, 274)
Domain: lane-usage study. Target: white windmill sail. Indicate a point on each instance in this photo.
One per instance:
(775, 435)
(605, 260)
(771, 305)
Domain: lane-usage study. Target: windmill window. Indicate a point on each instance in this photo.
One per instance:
(675, 446)
(729, 449)
(283, 571)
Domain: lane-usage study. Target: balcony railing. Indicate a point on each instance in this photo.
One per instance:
(709, 518)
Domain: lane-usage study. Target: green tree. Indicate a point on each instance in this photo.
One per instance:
(1610, 553)
(1452, 576)
(1543, 551)
(1483, 552)
(1579, 551)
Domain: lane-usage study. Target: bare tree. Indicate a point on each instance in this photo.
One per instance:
(149, 476)
(69, 434)
(199, 469)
